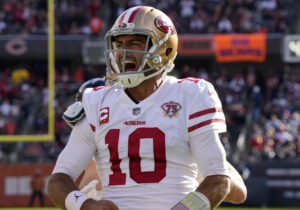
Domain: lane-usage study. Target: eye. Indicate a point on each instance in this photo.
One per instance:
(118, 45)
(135, 43)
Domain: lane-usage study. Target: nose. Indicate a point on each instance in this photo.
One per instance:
(120, 54)
(124, 54)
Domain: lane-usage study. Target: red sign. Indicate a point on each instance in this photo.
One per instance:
(240, 47)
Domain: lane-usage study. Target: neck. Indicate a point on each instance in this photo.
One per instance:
(145, 89)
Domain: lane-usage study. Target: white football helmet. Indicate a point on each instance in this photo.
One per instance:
(160, 50)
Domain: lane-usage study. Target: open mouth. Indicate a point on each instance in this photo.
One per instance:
(130, 66)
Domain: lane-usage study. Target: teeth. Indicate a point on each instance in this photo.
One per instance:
(126, 61)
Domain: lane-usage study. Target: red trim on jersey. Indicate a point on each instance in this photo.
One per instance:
(100, 87)
(204, 123)
(122, 17)
(191, 79)
(93, 127)
(130, 20)
(204, 112)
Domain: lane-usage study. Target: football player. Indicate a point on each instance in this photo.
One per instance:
(90, 183)
(75, 112)
(149, 134)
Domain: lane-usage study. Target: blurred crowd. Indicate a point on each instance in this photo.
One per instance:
(226, 16)
(19, 90)
(24, 108)
(269, 101)
(276, 117)
(272, 101)
(189, 16)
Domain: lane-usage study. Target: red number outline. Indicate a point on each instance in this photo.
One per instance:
(134, 141)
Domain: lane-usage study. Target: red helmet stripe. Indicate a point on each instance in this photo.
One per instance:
(122, 17)
(130, 20)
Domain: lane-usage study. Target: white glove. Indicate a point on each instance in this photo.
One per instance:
(73, 114)
(193, 201)
(90, 190)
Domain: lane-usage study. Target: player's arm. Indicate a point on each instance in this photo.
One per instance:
(211, 160)
(90, 174)
(90, 183)
(238, 190)
(221, 182)
(71, 162)
(232, 187)
(218, 185)
(215, 188)
(61, 185)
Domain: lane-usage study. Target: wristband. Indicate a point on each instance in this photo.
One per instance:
(75, 199)
(193, 201)
(203, 198)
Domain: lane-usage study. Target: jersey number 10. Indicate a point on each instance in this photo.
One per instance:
(134, 141)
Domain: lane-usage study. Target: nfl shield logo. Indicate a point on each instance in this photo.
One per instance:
(136, 111)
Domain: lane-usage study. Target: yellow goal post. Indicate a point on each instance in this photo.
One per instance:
(51, 114)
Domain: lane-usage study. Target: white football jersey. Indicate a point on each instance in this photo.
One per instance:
(143, 153)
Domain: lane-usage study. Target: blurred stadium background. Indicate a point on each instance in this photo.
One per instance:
(249, 49)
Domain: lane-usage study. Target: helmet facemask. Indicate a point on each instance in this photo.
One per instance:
(150, 61)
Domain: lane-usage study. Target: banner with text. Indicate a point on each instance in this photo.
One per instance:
(240, 47)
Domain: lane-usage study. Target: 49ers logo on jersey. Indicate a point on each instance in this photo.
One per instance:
(171, 108)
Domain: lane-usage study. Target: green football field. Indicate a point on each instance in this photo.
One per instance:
(244, 208)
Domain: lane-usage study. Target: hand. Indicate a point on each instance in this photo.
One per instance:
(73, 114)
(90, 190)
(91, 204)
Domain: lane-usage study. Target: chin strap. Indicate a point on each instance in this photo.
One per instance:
(130, 81)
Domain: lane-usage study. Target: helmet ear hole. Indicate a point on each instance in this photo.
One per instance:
(168, 51)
